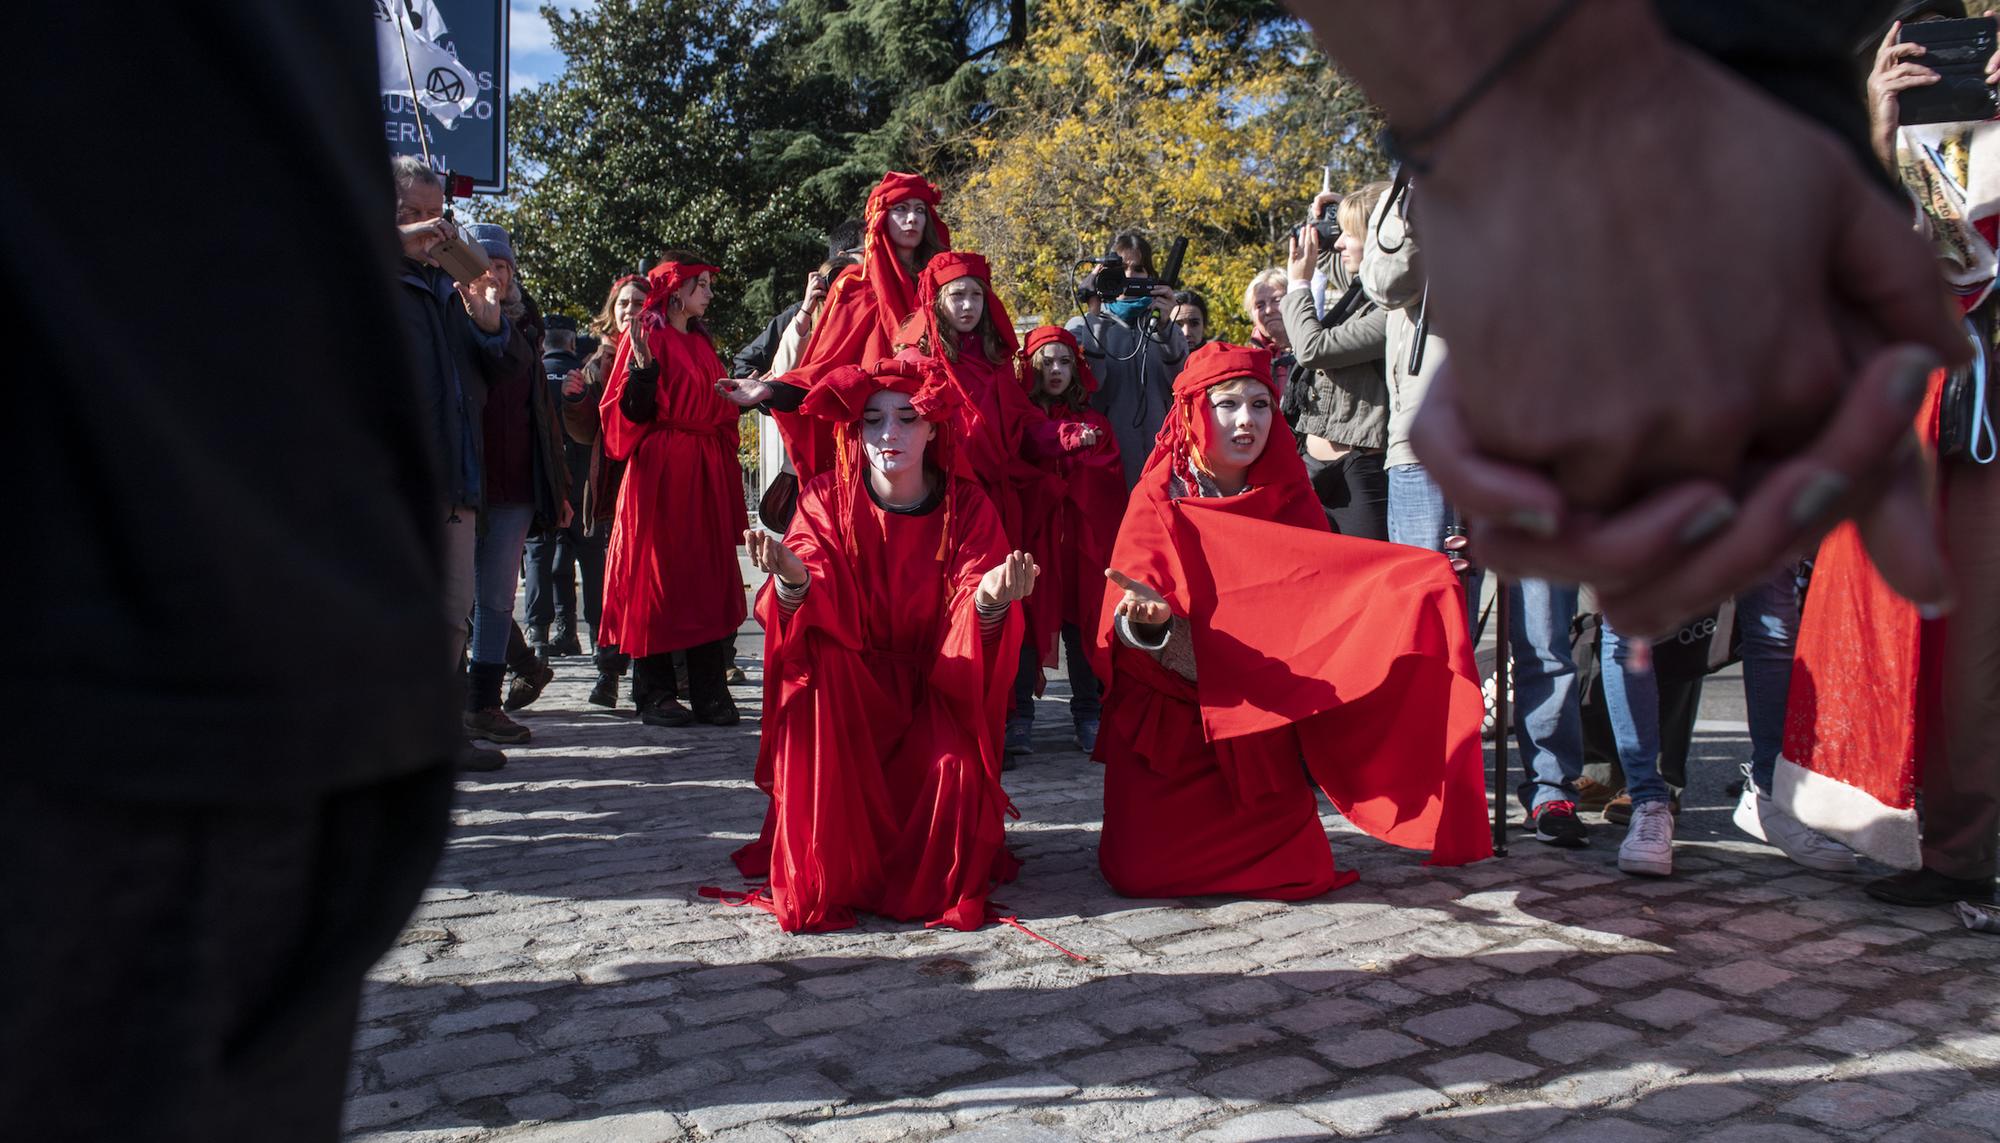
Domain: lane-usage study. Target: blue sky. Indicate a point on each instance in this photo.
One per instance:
(532, 57)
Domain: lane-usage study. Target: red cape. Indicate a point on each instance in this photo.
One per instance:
(883, 714)
(1071, 520)
(671, 580)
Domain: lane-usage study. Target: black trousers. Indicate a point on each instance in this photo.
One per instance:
(552, 561)
(1354, 491)
(707, 665)
(192, 973)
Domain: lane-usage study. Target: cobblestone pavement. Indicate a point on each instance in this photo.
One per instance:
(564, 980)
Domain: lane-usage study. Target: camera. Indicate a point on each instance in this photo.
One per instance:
(1327, 228)
(1108, 280)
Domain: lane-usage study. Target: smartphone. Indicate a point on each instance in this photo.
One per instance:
(1957, 50)
(464, 261)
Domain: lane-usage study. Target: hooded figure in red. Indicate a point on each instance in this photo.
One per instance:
(865, 307)
(962, 326)
(1239, 634)
(888, 653)
(1072, 517)
(671, 581)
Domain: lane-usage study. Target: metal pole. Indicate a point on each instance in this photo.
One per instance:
(1503, 618)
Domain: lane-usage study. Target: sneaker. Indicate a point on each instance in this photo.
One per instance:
(605, 693)
(666, 711)
(471, 758)
(1747, 818)
(1086, 735)
(528, 685)
(1922, 887)
(1648, 847)
(1803, 844)
(1020, 736)
(493, 725)
(1556, 824)
(1592, 794)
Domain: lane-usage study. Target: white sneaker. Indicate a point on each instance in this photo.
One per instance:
(1803, 844)
(1649, 841)
(1747, 818)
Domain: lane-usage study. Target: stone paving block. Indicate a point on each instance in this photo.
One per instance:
(730, 1006)
(1804, 1002)
(1045, 1038)
(1545, 996)
(1860, 1035)
(1242, 997)
(1980, 1109)
(627, 968)
(506, 1012)
(1500, 1123)
(777, 1097)
(1446, 979)
(1744, 977)
(1819, 954)
(710, 1040)
(1367, 1048)
(1222, 1039)
(457, 1054)
(668, 1085)
(1457, 1027)
(1123, 1065)
(1369, 1105)
(1634, 970)
(1697, 1103)
(1262, 1127)
(1917, 1074)
(603, 1024)
(1530, 956)
(1764, 1133)
(1670, 1007)
(1849, 1106)
(1602, 1130)
(876, 1126)
(1979, 1045)
(1264, 1080)
(1464, 1075)
(1728, 1034)
(1596, 1086)
(1771, 925)
(384, 1108)
(1578, 1041)
(812, 1019)
(1014, 1130)
(541, 1105)
(910, 1073)
(1144, 1014)
(536, 1074)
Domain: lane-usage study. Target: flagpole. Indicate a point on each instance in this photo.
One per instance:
(410, 71)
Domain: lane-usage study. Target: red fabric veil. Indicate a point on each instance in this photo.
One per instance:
(864, 309)
(1362, 646)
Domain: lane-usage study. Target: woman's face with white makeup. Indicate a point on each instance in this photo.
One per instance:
(892, 435)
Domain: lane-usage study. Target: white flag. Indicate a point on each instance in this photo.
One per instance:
(445, 88)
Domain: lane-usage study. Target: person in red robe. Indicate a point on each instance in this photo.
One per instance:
(890, 639)
(671, 582)
(1239, 634)
(865, 307)
(1070, 522)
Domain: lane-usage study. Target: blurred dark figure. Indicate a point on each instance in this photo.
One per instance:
(231, 753)
(555, 556)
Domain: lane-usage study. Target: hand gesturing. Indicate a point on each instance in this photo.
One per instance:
(1141, 606)
(1010, 579)
(769, 554)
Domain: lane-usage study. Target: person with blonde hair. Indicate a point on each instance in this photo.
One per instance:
(1263, 304)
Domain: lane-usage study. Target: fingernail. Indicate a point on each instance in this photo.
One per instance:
(1708, 522)
(1817, 497)
(1534, 521)
(1912, 381)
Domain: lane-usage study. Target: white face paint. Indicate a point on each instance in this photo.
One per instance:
(892, 435)
(1239, 424)
(906, 222)
(963, 300)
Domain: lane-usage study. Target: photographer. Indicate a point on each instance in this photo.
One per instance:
(1134, 350)
(1337, 398)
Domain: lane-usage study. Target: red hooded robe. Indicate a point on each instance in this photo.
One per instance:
(1353, 653)
(857, 325)
(671, 580)
(1071, 518)
(883, 699)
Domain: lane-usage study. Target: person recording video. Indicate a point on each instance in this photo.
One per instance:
(1131, 346)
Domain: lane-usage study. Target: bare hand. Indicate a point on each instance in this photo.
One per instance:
(420, 238)
(1141, 606)
(1321, 201)
(1089, 437)
(744, 391)
(769, 554)
(1302, 252)
(482, 302)
(574, 384)
(642, 349)
(1010, 579)
(1894, 73)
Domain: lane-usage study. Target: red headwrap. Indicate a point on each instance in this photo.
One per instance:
(895, 294)
(943, 270)
(842, 396)
(1043, 335)
(1184, 435)
(668, 277)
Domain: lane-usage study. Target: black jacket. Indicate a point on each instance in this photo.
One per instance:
(453, 360)
(756, 356)
(557, 365)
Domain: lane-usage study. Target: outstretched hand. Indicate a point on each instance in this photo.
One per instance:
(1010, 579)
(642, 350)
(1142, 607)
(744, 391)
(769, 554)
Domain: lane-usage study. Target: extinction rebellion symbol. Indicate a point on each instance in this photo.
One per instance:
(445, 84)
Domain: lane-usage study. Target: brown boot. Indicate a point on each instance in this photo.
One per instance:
(528, 684)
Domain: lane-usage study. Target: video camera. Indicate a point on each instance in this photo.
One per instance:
(1108, 280)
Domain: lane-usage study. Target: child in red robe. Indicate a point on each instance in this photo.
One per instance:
(865, 307)
(1239, 634)
(1071, 521)
(671, 582)
(890, 639)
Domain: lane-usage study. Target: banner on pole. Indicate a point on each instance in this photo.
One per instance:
(458, 59)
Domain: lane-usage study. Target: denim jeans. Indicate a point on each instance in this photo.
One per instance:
(1419, 517)
(1768, 617)
(1548, 720)
(1632, 700)
(496, 570)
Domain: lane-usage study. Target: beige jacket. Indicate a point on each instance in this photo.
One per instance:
(1394, 280)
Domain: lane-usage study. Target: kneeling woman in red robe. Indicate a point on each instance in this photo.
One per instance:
(891, 636)
(670, 579)
(1239, 635)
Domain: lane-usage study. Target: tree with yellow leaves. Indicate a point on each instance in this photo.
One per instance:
(1172, 118)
